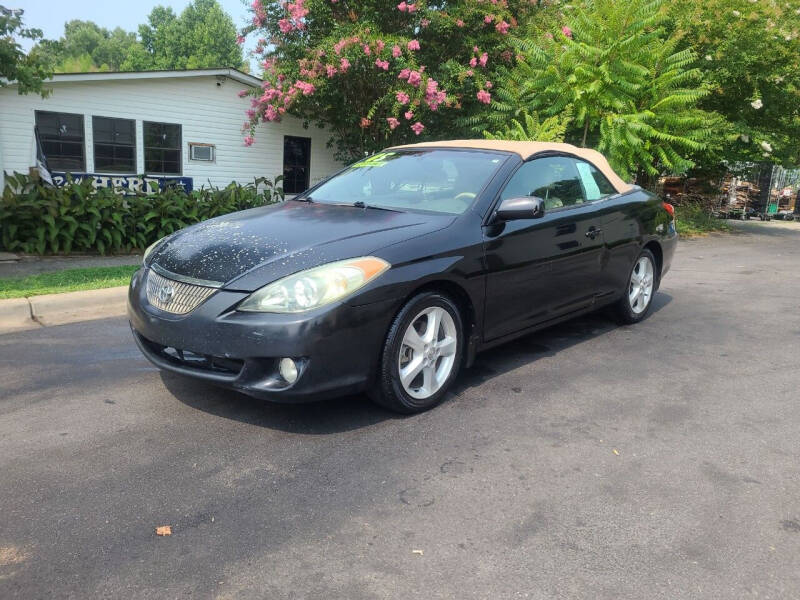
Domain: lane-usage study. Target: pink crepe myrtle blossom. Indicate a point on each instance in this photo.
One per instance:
(305, 87)
(396, 51)
(566, 31)
(433, 95)
(271, 114)
(469, 72)
(402, 98)
(365, 122)
(366, 49)
(413, 45)
(285, 26)
(404, 74)
(417, 127)
(473, 62)
(424, 23)
(380, 45)
(487, 19)
(382, 64)
(330, 70)
(488, 85)
(249, 140)
(414, 78)
(412, 8)
(502, 27)
(459, 23)
(240, 39)
(484, 96)
(259, 13)
(243, 93)
(393, 123)
(408, 115)
(483, 59)
(402, 7)
(344, 64)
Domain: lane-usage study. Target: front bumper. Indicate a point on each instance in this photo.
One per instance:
(336, 347)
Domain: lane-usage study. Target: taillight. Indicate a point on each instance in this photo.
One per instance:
(669, 208)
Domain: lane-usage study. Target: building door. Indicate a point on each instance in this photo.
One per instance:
(296, 164)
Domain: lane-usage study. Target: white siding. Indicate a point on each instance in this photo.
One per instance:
(208, 113)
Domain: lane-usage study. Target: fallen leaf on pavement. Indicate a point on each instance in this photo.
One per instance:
(420, 552)
(164, 530)
(616, 451)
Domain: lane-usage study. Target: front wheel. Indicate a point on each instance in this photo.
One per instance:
(637, 300)
(421, 355)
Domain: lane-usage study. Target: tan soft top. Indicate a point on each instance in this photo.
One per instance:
(528, 149)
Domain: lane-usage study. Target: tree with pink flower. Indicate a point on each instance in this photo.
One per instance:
(375, 74)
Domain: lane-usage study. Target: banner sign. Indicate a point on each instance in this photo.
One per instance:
(126, 183)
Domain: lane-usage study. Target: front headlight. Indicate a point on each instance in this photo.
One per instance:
(315, 287)
(150, 248)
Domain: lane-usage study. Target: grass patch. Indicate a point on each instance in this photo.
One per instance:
(692, 220)
(69, 280)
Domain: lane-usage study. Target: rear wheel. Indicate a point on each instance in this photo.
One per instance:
(635, 303)
(421, 356)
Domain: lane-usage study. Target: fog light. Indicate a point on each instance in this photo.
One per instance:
(288, 370)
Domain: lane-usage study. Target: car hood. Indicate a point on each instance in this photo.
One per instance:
(248, 249)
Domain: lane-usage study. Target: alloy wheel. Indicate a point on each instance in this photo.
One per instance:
(427, 352)
(640, 289)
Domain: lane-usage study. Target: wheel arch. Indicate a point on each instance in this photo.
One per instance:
(461, 297)
(658, 253)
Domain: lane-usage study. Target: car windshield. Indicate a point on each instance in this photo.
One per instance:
(442, 181)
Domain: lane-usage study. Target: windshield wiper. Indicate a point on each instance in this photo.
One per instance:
(362, 204)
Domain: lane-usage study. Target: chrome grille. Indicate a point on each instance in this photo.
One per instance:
(175, 297)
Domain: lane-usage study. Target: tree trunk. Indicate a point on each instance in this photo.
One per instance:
(585, 131)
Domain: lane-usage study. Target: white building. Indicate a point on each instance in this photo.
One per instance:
(187, 124)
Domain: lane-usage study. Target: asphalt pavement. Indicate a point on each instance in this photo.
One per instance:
(660, 460)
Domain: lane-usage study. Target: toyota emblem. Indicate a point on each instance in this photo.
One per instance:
(165, 293)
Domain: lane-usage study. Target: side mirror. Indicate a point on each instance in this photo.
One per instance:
(526, 207)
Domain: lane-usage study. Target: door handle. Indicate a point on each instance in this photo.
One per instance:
(593, 232)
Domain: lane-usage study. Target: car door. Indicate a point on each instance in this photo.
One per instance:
(619, 215)
(540, 269)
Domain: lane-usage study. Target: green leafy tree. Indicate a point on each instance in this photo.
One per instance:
(203, 35)
(378, 73)
(750, 54)
(526, 127)
(28, 70)
(631, 91)
(85, 46)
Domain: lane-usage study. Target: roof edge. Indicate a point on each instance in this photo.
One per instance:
(228, 72)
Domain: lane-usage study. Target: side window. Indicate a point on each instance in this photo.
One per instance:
(553, 179)
(61, 135)
(114, 145)
(595, 184)
(162, 148)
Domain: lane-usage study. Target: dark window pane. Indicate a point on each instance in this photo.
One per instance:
(162, 148)
(296, 163)
(61, 136)
(114, 145)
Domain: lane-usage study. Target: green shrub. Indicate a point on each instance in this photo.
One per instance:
(694, 219)
(38, 219)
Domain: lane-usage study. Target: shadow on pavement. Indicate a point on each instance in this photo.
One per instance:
(355, 412)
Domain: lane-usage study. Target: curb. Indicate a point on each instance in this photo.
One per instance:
(19, 314)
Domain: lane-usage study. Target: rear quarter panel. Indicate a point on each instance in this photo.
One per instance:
(630, 221)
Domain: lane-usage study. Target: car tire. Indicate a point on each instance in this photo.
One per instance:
(441, 356)
(634, 306)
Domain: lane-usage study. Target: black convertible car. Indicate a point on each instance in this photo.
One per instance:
(391, 275)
